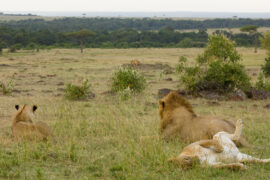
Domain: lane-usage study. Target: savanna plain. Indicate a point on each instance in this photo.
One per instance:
(100, 138)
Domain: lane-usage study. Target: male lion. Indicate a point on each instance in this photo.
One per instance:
(219, 152)
(23, 126)
(179, 119)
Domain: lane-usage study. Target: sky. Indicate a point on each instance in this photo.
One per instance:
(136, 5)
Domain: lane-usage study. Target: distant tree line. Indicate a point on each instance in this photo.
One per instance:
(129, 38)
(112, 24)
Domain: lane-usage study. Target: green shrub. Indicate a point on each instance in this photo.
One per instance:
(126, 77)
(217, 76)
(227, 76)
(219, 47)
(125, 94)
(266, 67)
(185, 43)
(78, 92)
(31, 46)
(7, 87)
(262, 82)
(181, 64)
(12, 49)
(216, 69)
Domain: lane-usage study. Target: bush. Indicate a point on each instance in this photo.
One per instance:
(189, 76)
(185, 43)
(127, 77)
(7, 87)
(227, 76)
(12, 49)
(266, 67)
(262, 83)
(78, 92)
(217, 69)
(221, 48)
(31, 46)
(265, 41)
(125, 94)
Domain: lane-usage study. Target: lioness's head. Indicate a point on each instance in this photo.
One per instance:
(25, 113)
(171, 101)
(185, 162)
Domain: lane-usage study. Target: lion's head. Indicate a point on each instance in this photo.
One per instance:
(172, 101)
(25, 113)
(185, 161)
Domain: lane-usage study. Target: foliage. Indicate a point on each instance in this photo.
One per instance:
(128, 78)
(124, 38)
(31, 46)
(216, 69)
(7, 87)
(265, 41)
(111, 24)
(186, 43)
(1, 47)
(263, 82)
(125, 94)
(12, 49)
(221, 48)
(249, 28)
(81, 36)
(252, 29)
(266, 67)
(227, 76)
(78, 92)
(181, 64)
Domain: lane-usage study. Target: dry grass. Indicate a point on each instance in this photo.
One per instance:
(19, 18)
(100, 138)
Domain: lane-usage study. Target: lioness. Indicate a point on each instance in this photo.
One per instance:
(219, 152)
(23, 126)
(179, 119)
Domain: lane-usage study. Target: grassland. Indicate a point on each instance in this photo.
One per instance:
(100, 138)
(19, 18)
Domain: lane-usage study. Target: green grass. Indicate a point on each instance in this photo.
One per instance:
(100, 138)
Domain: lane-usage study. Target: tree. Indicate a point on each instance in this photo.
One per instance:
(251, 29)
(81, 36)
(221, 48)
(1, 47)
(265, 41)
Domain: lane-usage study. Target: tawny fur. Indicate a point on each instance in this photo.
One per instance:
(135, 62)
(23, 126)
(219, 152)
(179, 120)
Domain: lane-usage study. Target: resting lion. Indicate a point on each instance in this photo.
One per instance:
(23, 126)
(179, 119)
(219, 152)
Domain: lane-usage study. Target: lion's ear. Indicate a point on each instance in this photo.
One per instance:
(17, 107)
(34, 108)
(161, 103)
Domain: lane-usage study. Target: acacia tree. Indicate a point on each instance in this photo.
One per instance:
(81, 36)
(265, 41)
(251, 29)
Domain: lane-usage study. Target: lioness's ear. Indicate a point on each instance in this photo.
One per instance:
(17, 107)
(161, 103)
(34, 108)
